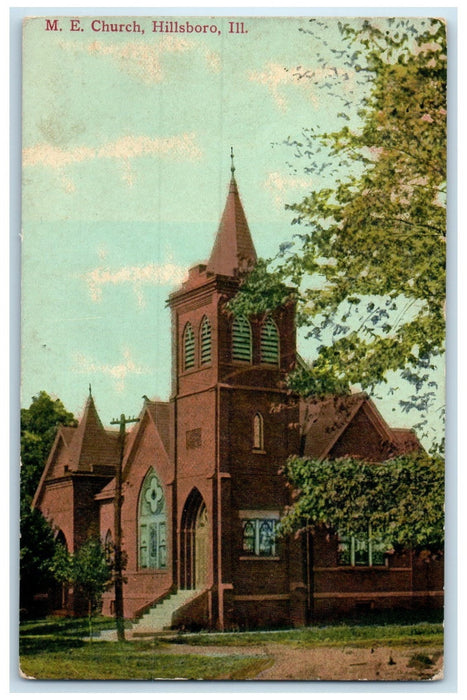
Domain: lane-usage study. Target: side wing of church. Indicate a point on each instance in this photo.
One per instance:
(202, 492)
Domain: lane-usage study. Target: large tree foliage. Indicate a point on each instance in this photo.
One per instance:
(39, 424)
(369, 257)
(400, 501)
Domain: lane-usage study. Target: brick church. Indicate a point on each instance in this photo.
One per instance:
(202, 492)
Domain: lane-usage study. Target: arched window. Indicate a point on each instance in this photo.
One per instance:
(108, 547)
(205, 341)
(152, 525)
(188, 347)
(258, 432)
(241, 339)
(269, 343)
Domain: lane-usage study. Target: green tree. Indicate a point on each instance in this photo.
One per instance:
(400, 501)
(368, 259)
(366, 267)
(87, 570)
(39, 424)
(37, 548)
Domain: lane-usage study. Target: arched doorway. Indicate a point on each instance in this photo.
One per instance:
(194, 543)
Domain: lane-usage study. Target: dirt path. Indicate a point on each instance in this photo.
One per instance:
(351, 664)
(333, 663)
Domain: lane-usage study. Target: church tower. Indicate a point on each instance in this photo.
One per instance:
(234, 428)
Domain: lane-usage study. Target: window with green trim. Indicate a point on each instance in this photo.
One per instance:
(205, 341)
(269, 343)
(188, 347)
(241, 339)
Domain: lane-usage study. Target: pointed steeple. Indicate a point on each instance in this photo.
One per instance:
(233, 250)
(91, 444)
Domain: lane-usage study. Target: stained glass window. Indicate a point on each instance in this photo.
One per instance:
(362, 550)
(259, 537)
(152, 524)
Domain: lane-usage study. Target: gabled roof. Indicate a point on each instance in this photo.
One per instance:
(92, 445)
(87, 448)
(405, 439)
(158, 413)
(325, 421)
(233, 249)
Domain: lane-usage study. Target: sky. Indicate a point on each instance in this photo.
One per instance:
(126, 165)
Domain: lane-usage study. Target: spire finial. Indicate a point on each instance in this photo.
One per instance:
(232, 167)
(90, 392)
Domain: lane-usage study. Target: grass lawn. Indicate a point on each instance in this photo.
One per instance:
(136, 661)
(335, 635)
(55, 649)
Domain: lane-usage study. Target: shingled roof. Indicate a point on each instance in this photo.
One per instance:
(87, 448)
(92, 445)
(159, 413)
(233, 249)
(325, 421)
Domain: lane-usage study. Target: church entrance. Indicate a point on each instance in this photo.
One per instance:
(194, 543)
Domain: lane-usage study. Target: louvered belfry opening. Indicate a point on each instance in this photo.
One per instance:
(241, 339)
(206, 341)
(269, 342)
(188, 347)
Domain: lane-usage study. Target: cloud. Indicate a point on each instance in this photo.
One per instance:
(280, 185)
(276, 77)
(273, 75)
(122, 151)
(138, 276)
(117, 372)
(143, 61)
(125, 148)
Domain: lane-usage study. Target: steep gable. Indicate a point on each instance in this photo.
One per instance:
(351, 426)
(92, 445)
(149, 442)
(57, 461)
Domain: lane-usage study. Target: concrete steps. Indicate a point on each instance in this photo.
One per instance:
(159, 617)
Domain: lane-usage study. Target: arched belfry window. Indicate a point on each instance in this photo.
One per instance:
(258, 432)
(241, 339)
(152, 525)
(269, 344)
(206, 341)
(188, 347)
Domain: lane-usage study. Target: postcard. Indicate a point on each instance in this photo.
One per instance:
(233, 331)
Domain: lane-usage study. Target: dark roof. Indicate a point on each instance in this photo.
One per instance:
(233, 249)
(405, 439)
(92, 445)
(161, 414)
(324, 421)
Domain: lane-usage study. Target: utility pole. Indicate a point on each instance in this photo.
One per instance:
(118, 529)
